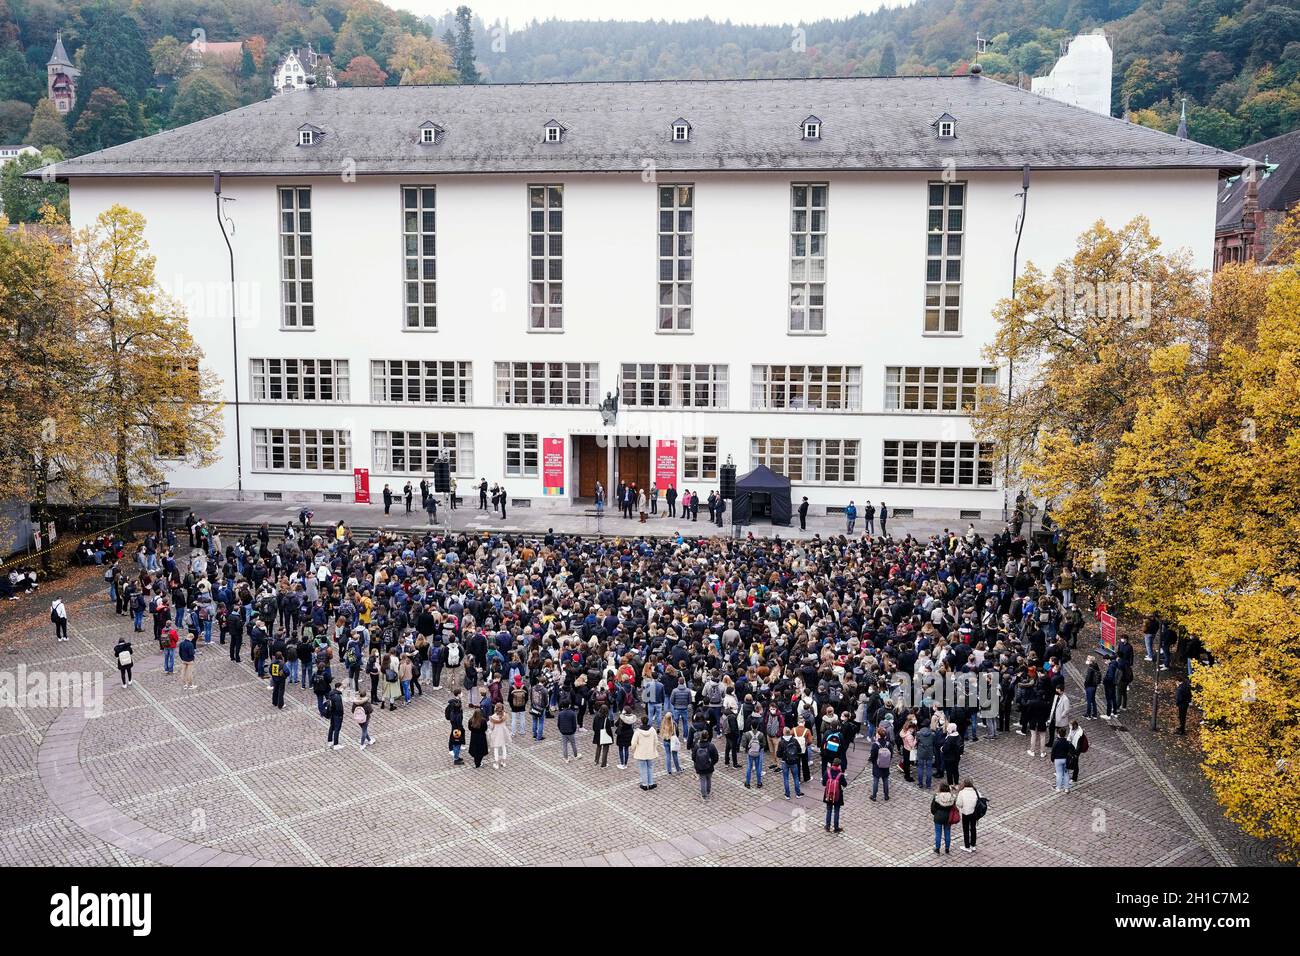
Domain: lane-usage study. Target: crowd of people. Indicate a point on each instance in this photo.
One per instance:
(840, 658)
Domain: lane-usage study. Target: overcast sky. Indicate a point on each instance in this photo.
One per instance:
(519, 12)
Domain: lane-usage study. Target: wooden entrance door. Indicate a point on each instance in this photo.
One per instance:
(634, 465)
(591, 460)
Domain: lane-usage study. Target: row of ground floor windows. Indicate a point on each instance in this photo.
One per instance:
(812, 460)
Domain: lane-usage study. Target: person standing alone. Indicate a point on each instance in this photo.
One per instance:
(59, 618)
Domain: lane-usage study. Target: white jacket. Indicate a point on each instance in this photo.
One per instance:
(966, 798)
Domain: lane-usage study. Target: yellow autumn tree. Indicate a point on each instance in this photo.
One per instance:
(43, 367)
(421, 61)
(1078, 341)
(151, 400)
(1203, 527)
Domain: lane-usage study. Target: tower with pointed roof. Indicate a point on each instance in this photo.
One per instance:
(61, 78)
(1182, 122)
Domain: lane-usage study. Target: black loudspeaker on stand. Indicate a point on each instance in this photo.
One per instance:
(727, 480)
(442, 476)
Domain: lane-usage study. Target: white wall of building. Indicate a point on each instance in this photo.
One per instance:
(875, 276)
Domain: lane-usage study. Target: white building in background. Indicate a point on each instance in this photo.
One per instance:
(11, 154)
(1083, 76)
(799, 273)
(292, 71)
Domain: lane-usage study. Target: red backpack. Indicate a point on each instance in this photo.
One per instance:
(833, 786)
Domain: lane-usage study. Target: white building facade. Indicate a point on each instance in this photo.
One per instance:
(826, 321)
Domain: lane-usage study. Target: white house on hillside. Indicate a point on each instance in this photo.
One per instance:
(292, 72)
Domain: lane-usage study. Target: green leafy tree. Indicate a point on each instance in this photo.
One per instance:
(19, 80)
(47, 127)
(15, 117)
(106, 120)
(24, 198)
(888, 60)
(464, 48)
(201, 95)
(114, 55)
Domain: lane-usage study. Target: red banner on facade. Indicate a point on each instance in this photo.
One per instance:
(552, 466)
(665, 465)
(1109, 639)
(361, 485)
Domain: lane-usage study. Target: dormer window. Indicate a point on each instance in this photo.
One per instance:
(430, 133)
(812, 128)
(553, 132)
(946, 126)
(306, 137)
(681, 131)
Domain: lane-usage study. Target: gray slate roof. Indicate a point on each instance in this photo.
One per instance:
(1280, 190)
(868, 123)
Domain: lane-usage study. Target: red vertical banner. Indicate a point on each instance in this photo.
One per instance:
(1109, 640)
(361, 485)
(553, 466)
(665, 464)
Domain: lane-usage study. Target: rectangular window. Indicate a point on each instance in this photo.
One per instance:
(940, 464)
(807, 387)
(667, 385)
(521, 456)
(302, 450)
(676, 257)
(546, 258)
(419, 257)
(808, 257)
(415, 452)
(299, 380)
(421, 381)
(915, 388)
(547, 383)
(699, 458)
(945, 228)
(819, 460)
(297, 299)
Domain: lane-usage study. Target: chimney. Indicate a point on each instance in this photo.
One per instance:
(1252, 217)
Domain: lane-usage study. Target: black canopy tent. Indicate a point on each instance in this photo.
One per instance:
(761, 490)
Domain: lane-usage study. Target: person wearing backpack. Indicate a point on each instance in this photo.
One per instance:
(1078, 746)
(361, 711)
(122, 653)
(790, 753)
(713, 700)
(942, 808)
(538, 701)
(59, 618)
(970, 806)
(882, 758)
(518, 699)
(833, 795)
(751, 742)
(279, 676)
(453, 660)
(704, 758)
